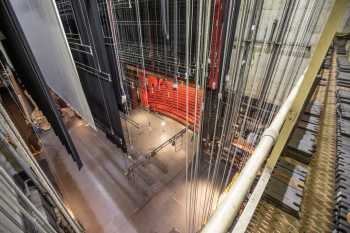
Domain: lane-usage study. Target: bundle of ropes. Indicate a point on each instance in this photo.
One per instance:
(242, 57)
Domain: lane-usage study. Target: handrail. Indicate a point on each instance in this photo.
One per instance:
(225, 213)
(148, 156)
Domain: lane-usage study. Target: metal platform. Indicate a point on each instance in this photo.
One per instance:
(316, 213)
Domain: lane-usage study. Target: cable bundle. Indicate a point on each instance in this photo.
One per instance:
(260, 52)
(267, 57)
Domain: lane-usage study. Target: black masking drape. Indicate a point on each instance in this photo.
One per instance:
(96, 65)
(29, 72)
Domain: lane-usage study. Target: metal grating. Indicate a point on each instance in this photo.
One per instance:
(317, 205)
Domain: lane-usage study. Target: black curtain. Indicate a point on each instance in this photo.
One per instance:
(28, 70)
(97, 68)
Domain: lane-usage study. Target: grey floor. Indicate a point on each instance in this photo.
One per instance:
(102, 198)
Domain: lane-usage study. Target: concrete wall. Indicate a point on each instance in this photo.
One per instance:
(286, 66)
(345, 26)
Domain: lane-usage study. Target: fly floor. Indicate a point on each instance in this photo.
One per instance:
(314, 212)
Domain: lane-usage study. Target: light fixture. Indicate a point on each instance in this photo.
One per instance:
(175, 84)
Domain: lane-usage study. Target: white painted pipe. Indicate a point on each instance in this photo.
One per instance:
(225, 213)
(37, 217)
(25, 154)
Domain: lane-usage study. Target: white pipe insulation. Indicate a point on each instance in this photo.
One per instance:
(225, 213)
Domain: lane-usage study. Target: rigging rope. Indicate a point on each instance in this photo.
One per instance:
(270, 44)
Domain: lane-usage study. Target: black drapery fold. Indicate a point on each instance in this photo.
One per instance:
(97, 70)
(27, 68)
